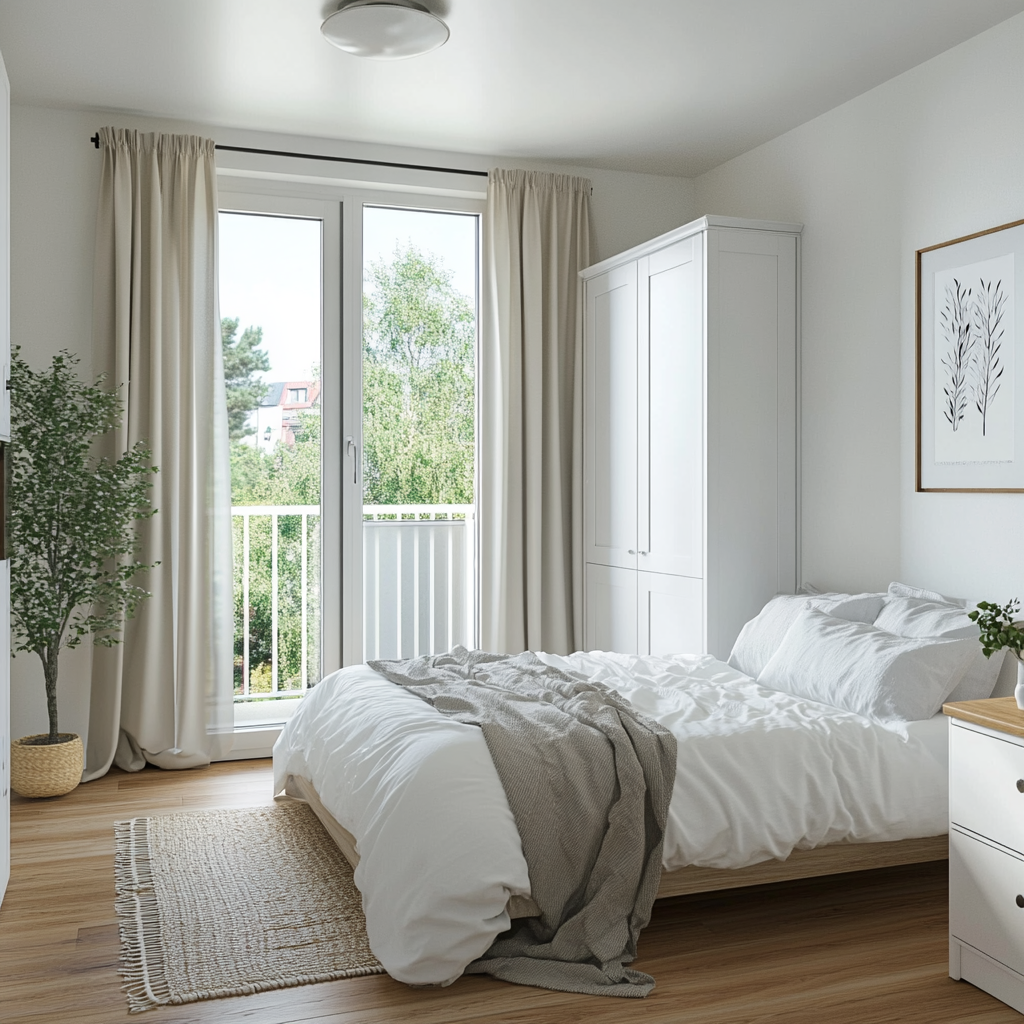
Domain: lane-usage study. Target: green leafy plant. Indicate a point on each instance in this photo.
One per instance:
(72, 516)
(998, 629)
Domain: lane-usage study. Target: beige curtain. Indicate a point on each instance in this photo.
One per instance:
(164, 695)
(536, 239)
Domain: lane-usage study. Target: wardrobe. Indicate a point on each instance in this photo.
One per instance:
(690, 436)
(5, 437)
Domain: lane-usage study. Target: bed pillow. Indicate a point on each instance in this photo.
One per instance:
(856, 667)
(760, 637)
(913, 617)
(855, 608)
(903, 590)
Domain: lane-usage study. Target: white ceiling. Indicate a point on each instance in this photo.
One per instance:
(662, 86)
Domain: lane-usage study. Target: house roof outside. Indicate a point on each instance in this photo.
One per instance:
(273, 395)
(280, 392)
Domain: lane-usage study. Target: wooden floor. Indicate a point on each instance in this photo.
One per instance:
(854, 949)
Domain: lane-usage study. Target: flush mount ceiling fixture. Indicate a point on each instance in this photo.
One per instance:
(385, 29)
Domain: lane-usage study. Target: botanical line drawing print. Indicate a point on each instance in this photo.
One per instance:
(970, 365)
(956, 326)
(987, 332)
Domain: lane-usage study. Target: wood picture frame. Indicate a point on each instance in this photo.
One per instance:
(970, 363)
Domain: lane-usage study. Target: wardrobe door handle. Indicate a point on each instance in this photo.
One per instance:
(630, 552)
(1020, 785)
(1020, 901)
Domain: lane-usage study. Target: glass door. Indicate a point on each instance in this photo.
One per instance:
(272, 298)
(418, 462)
(350, 338)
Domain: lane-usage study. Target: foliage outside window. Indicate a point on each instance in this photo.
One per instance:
(419, 338)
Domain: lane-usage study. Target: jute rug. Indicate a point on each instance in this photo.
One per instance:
(224, 903)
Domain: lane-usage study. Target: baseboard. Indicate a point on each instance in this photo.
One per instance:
(252, 742)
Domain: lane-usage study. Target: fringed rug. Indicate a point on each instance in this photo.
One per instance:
(226, 903)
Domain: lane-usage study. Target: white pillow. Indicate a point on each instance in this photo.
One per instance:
(912, 617)
(859, 608)
(760, 637)
(903, 590)
(858, 668)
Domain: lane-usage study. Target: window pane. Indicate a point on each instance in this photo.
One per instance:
(419, 430)
(270, 300)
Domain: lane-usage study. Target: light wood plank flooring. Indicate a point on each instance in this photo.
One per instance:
(853, 949)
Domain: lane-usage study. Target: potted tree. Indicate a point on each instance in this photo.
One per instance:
(71, 535)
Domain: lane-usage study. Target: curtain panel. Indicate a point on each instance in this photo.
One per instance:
(163, 696)
(536, 239)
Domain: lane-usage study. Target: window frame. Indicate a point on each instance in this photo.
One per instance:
(340, 206)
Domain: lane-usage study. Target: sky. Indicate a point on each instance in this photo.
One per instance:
(270, 272)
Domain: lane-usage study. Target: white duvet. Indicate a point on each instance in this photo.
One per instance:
(759, 774)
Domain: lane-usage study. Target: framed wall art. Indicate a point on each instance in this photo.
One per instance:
(970, 362)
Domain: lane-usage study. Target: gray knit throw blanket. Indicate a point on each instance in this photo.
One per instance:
(588, 779)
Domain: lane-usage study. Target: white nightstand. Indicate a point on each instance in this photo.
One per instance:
(986, 846)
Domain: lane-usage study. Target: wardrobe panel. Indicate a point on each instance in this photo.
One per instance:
(672, 502)
(671, 614)
(611, 618)
(610, 419)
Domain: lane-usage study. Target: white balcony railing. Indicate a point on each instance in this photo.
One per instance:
(418, 587)
(418, 579)
(308, 586)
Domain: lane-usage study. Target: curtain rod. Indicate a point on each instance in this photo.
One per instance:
(95, 140)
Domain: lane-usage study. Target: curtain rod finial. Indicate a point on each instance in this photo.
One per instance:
(95, 140)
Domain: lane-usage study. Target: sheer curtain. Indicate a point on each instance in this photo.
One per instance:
(164, 695)
(536, 239)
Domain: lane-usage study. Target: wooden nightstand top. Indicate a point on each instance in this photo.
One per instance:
(999, 713)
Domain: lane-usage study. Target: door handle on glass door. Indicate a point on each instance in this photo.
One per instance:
(351, 448)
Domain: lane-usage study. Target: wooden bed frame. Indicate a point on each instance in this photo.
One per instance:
(835, 859)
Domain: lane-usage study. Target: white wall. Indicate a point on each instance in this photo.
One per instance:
(927, 157)
(54, 182)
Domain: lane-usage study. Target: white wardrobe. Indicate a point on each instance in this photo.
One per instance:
(690, 436)
(5, 437)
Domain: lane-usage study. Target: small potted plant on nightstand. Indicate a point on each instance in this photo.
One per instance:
(71, 534)
(999, 631)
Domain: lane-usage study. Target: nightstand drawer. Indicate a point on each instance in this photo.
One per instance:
(986, 890)
(986, 786)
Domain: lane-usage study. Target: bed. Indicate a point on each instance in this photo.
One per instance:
(770, 784)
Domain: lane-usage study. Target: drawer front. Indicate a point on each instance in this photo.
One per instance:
(985, 782)
(985, 885)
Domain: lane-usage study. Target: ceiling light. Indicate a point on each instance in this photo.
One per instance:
(385, 29)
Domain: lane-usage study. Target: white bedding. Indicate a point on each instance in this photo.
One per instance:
(759, 774)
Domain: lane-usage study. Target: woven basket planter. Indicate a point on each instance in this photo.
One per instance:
(48, 769)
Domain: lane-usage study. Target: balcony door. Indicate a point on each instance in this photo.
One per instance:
(418, 453)
(279, 268)
(350, 336)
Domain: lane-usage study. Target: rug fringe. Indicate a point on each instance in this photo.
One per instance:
(142, 955)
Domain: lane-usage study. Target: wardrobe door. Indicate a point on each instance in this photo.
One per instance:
(611, 609)
(5, 726)
(609, 418)
(5, 436)
(670, 614)
(671, 410)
